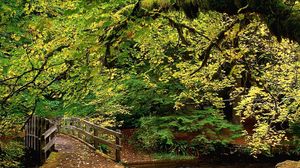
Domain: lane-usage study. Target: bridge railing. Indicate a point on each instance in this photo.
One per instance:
(106, 140)
(39, 138)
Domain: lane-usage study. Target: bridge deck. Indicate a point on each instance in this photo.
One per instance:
(72, 153)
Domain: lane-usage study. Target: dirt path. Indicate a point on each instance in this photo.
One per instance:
(72, 153)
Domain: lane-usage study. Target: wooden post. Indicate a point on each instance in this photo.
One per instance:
(58, 123)
(75, 124)
(79, 125)
(96, 133)
(64, 123)
(72, 124)
(53, 137)
(47, 139)
(118, 151)
(87, 129)
(83, 128)
(68, 123)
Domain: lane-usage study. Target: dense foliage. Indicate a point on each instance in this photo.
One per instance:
(129, 63)
(11, 154)
(203, 130)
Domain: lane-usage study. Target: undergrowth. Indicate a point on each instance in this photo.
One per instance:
(208, 127)
(11, 154)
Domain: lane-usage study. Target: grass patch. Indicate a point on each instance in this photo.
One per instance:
(171, 156)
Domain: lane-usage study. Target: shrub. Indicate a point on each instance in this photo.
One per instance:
(11, 154)
(158, 133)
(295, 131)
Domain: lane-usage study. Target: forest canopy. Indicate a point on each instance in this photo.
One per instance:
(130, 63)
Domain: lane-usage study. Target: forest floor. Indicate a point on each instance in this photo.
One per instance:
(129, 153)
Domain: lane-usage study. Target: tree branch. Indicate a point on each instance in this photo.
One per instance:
(40, 70)
(282, 20)
(205, 54)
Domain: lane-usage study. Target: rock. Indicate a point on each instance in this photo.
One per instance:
(288, 164)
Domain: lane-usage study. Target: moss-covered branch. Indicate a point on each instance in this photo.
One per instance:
(283, 20)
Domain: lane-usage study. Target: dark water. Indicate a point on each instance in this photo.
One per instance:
(205, 165)
(235, 165)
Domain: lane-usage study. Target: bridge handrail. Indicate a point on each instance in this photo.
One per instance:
(102, 129)
(103, 141)
(92, 134)
(40, 136)
(50, 131)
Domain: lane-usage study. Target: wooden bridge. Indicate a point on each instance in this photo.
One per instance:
(80, 143)
(41, 135)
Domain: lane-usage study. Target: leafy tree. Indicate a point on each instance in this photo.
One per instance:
(128, 59)
(229, 71)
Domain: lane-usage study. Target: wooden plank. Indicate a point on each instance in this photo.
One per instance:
(49, 131)
(49, 145)
(26, 132)
(40, 133)
(33, 131)
(37, 133)
(42, 143)
(25, 138)
(99, 140)
(30, 132)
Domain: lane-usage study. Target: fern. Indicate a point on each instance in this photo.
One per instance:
(158, 132)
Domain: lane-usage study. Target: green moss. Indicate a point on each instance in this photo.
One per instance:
(52, 160)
